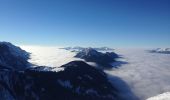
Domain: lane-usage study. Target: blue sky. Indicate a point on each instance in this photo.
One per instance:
(114, 23)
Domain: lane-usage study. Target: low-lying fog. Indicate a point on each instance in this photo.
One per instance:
(146, 74)
(49, 56)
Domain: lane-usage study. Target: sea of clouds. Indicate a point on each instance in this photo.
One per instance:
(143, 75)
(49, 56)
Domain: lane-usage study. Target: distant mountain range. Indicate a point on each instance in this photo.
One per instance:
(73, 81)
(77, 49)
(161, 50)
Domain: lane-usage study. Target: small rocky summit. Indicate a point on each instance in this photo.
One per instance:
(92, 55)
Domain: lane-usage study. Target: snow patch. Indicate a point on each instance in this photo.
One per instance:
(65, 84)
(91, 91)
(164, 96)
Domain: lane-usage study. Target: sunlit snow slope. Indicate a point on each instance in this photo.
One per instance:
(164, 96)
(147, 74)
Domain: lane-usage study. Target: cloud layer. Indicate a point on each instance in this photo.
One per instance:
(49, 56)
(146, 74)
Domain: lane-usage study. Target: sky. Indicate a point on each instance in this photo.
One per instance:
(113, 23)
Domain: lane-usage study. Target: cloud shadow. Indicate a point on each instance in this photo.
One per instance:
(125, 92)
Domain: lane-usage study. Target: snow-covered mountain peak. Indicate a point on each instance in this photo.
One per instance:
(90, 51)
(13, 56)
(15, 50)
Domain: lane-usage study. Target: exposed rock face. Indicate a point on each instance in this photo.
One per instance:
(13, 57)
(91, 55)
(78, 81)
